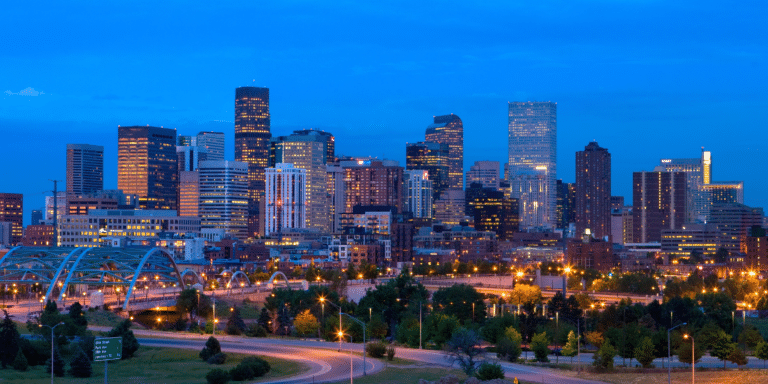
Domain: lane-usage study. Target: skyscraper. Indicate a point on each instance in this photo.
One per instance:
(213, 142)
(533, 161)
(285, 194)
(658, 202)
(372, 182)
(417, 193)
(593, 191)
(11, 211)
(252, 134)
(485, 173)
(566, 204)
(698, 172)
(433, 158)
(224, 196)
(85, 168)
(449, 130)
(309, 156)
(491, 211)
(147, 165)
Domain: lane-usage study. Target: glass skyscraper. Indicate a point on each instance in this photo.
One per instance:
(147, 165)
(449, 130)
(85, 168)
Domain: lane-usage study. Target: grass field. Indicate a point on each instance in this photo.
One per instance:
(679, 377)
(153, 365)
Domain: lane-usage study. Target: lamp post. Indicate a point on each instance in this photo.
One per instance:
(693, 358)
(52, 344)
(341, 337)
(362, 324)
(669, 355)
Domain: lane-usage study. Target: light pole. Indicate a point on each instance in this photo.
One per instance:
(669, 355)
(322, 299)
(693, 358)
(52, 343)
(341, 337)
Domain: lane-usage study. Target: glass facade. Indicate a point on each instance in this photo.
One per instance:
(147, 165)
(449, 130)
(433, 158)
(85, 168)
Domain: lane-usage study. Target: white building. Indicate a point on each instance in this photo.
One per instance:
(417, 193)
(285, 198)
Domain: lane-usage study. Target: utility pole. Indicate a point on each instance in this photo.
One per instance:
(55, 213)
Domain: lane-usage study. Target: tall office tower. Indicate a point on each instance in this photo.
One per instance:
(617, 202)
(449, 208)
(213, 142)
(147, 165)
(658, 203)
(224, 196)
(252, 123)
(334, 182)
(37, 216)
(310, 156)
(417, 192)
(533, 151)
(185, 140)
(85, 168)
(621, 225)
(12, 211)
(190, 156)
(734, 221)
(698, 172)
(491, 211)
(372, 182)
(285, 194)
(566, 204)
(593, 191)
(433, 158)
(721, 192)
(189, 193)
(485, 173)
(448, 129)
(329, 142)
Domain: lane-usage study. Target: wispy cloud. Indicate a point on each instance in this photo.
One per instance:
(29, 91)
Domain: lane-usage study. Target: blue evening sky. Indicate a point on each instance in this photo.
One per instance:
(646, 79)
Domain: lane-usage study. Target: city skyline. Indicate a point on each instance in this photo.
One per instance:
(639, 92)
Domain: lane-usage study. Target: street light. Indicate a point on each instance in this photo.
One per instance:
(693, 358)
(362, 324)
(341, 337)
(669, 355)
(52, 328)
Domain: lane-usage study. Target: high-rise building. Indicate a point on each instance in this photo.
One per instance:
(252, 134)
(285, 194)
(485, 173)
(85, 168)
(224, 196)
(190, 156)
(449, 208)
(491, 211)
(37, 216)
(334, 184)
(449, 130)
(372, 182)
(433, 158)
(310, 156)
(617, 202)
(621, 225)
(698, 172)
(658, 203)
(147, 165)
(533, 161)
(566, 204)
(734, 221)
(189, 193)
(593, 191)
(417, 193)
(756, 249)
(329, 142)
(213, 142)
(11, 211)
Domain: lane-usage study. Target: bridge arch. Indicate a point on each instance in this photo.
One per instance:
(278, 273)
(242, 275)
(188, 271)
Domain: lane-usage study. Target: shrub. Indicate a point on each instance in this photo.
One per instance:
(58, 364)
(603, 359)
(391, 353)
(130, 344)
(241, 373)
(218, 359)
(539, 345)
(20, 362)
(36, 352)
(256, 365)
(255, 330)
(376, 349)
(490, 371)
(217, 376)
(80, 366)
(212, 347)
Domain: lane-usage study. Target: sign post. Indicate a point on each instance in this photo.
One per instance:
(107, 348)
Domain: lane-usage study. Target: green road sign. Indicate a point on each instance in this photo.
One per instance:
(108, 348)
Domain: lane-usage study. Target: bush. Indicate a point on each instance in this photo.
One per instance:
(20, 362)
(130, 344)
(58, 364)
(603, 359)
(391, 353)
(80, 366)
(490, 371)
(36, 352)
(218, 359)
(217, 376)
(257, 365)
(241, 373)
(376, 349)
(212, 347)
(255, 330)
(540, 347)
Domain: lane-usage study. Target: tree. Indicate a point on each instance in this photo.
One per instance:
(568, 308)
(20, 363)
(265, 319)
(737, 357)
(58, 364)
(80, 366)
(750, 337)
(722, 346)
(440, 328)
(595, 338)
(571, 348)
(524, 294)
(761, 352)
(190, 300)
(490, 371)
(306, 323)
(9, 341)
(464, 347)
(235, 323)
(509, 345)
(686, 355)
(462, 301)
(212, 347)
(540, 346)
(603, 359)
(130, 344)
(377, 328)
(644, 352)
